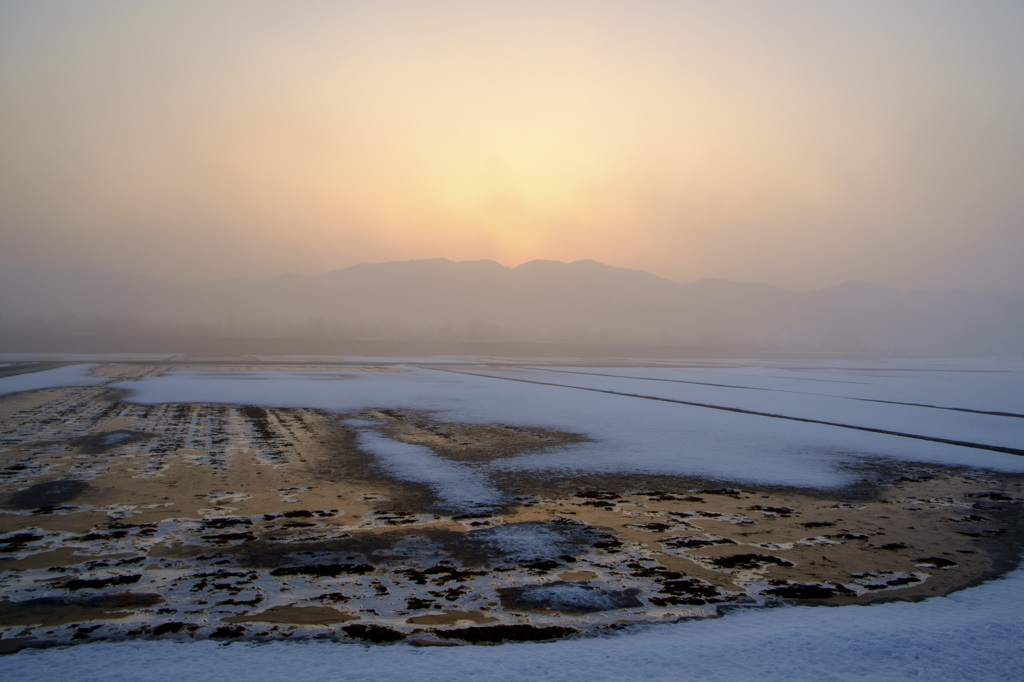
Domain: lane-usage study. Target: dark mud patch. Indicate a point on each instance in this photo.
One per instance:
(882, 580)
(100, 583)
(227, 538)
(779, 511)
(378, 634)
(734, 493)
(682, 591)
(259, 419)
(684, 542)
(655, 527)
(440, 574)
(227, 522)
(496, 634)
(662, 496)
(598, 495)
(12, 645)
(48, 494)
(18, 541)
(306, 557)
(100, 536)
(806, 591)
(228, 632)
(61, 611)
(323, 570)
(847, 536)
(993, 496)
(170, 628)
(748, 561)
(295, 615)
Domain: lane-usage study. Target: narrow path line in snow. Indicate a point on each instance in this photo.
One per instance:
(783, 390)
(739, 410)
(699, 383)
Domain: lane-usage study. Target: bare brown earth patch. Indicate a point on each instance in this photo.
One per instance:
(51, 611)
(295, 615)
(452, 617)
(470, 442)
(263, 523)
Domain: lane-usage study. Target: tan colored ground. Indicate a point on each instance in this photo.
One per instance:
(230, 521)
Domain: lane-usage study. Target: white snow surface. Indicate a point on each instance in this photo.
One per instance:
(995, 384)
(976, 634)
(60, 377)
(454, 484)
(807, 403)
(630, 434)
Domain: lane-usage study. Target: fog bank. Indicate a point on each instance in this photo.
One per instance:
(541, 302)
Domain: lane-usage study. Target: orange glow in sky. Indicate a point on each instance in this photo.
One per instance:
(796, 143)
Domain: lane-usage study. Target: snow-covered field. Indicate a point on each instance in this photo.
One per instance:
(807, 425)
(664, 422)
(69, 375)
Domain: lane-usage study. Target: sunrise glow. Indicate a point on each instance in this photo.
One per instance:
(691, 140)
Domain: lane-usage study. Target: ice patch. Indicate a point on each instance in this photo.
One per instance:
(569, 597)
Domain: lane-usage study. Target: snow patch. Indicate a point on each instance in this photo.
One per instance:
(60, 377)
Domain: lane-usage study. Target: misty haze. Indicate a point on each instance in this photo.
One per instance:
(539, 308)
(540, 340)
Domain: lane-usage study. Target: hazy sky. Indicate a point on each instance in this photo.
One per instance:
(796, 143)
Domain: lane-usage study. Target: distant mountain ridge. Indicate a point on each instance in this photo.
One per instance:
(539, 300)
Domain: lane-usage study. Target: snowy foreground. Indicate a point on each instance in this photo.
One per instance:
(804, 425)
(976, 634)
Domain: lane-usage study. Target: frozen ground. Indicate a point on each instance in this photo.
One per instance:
(808, 425)
(972, 635)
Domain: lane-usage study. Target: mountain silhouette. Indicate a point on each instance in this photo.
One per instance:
(583, 301)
